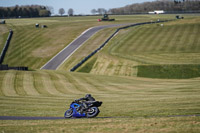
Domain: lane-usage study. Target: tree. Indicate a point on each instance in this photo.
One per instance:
(61, 11)
(44, 13)
(70, 12)
(101, 11)
(50, 8)
(93, 11)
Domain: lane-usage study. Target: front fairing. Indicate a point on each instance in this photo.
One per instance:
(75, 107)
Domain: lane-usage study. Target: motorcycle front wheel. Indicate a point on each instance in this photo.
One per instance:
(92, 112)
(68, 113)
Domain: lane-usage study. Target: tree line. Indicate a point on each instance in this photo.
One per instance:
(99, 11)
(166, 5)
(25, 11)
(61, 11)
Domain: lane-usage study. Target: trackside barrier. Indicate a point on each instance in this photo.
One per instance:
(3, 53)
(6, 67)
(98, 49)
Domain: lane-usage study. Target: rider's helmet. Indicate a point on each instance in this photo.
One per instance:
(88, 95)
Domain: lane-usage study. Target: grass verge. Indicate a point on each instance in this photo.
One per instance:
(169, 71)
(106, 125)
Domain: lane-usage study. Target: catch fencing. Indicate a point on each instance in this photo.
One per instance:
(3, 53)
(98, 49)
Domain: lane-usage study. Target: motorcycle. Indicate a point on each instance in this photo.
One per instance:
(76, 110)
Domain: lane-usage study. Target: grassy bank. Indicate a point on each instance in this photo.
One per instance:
(134, 104)
(176, 42)
(3, 36)
(136, 100)
(44, 93)
(33, 47)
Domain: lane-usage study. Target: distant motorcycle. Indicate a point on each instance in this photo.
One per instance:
(76, 111)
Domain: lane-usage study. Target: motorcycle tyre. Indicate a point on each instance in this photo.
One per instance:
(68, 114)
(89, 115)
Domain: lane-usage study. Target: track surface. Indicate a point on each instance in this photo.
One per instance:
(61, 118)
(63, 55)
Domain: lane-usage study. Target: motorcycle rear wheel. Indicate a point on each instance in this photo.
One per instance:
(93, 112)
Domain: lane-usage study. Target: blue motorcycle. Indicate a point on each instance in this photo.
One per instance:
(76, 111)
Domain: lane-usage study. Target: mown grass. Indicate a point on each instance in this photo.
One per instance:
(122, 96)
(3, 36)
(136, 104)
(88, 67)
(154, 44)
(34, 47)
(136, 100)
(89, 46)
(117, 125)
(169, 71)
(177, 42)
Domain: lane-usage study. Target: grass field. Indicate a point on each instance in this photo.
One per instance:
(130, 103)
(137, 100)
(177, 42)
(42, 44)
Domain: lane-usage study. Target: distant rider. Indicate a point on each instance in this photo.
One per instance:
(88, 99)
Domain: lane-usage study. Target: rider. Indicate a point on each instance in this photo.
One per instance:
(88, 99)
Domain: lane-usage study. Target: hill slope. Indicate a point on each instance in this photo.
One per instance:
(174, 43)
(33, 93)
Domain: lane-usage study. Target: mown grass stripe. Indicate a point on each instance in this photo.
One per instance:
(48, 84)
(23, 39)
(8, 87)
(184, 32)
(92, 82)
(154, 42)
(167, 33)
(136, 36)
(196, 32)
(108, 89)
(21, 49)
(145, 44)
(197, 40)
(84, 81)
(28, 84)
(160, 39)
(123, 68)
(2, 75)
(25, 47)
(65, 86)
(171, 47)
(38, 84)
(177, 44)
(70, 84)
(18, 83)
(59, 83)
(77, 85)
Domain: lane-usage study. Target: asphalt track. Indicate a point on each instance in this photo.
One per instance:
(62, 118)
(63, 55)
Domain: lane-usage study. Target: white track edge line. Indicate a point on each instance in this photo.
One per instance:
(77, 49)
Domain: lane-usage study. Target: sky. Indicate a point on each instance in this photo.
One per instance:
(79, 6)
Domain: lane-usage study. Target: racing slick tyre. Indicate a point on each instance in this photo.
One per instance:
(92, 112)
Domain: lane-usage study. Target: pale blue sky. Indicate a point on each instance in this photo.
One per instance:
(79, 6)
